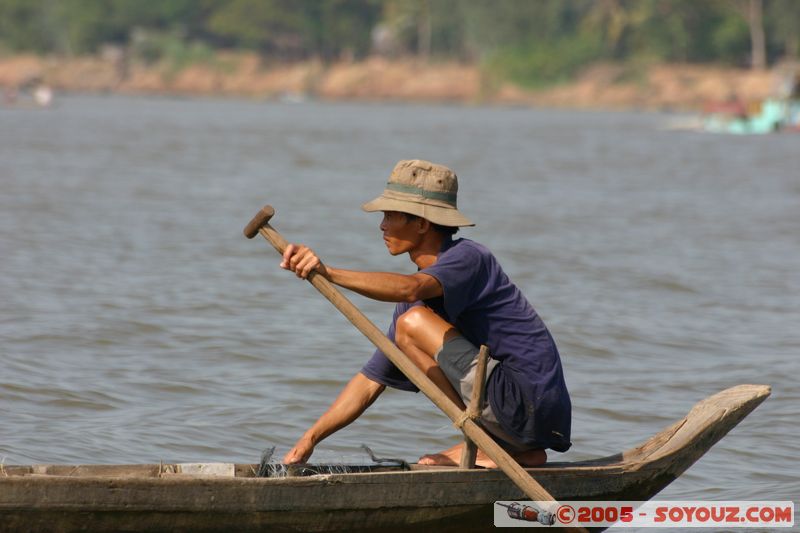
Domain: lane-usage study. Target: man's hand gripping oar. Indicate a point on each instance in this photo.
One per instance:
(260, 224)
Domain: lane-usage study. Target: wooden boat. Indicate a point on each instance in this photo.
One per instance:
(171, 497)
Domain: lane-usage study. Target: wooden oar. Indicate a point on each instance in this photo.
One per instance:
(260, 224)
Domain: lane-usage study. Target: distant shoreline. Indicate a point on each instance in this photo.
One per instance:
(676, 87)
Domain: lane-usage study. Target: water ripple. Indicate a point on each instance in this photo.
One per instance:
(141, 326)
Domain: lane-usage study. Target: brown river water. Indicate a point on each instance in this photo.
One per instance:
(137, 324)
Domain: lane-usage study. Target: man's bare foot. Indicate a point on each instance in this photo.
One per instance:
(452, 456)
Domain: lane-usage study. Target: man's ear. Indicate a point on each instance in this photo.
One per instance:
(423, 225)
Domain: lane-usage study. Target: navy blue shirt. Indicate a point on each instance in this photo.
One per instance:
(526, 389)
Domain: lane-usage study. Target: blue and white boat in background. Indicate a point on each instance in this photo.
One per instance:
(780, 113)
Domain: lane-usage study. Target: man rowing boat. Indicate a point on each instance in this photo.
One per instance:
(459, 299)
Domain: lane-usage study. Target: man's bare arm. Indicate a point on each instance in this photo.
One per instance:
(384, 286)
(354, 399)
(387, 286)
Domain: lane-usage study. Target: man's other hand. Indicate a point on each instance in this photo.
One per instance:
(300, 453)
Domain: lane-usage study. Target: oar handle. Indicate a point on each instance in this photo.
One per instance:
(261, 218)
(260, 224)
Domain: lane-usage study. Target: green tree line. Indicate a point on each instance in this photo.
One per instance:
(526, 40)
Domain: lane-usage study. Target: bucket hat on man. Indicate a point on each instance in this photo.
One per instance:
(423, 189)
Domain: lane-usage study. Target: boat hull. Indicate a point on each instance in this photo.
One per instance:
(458, 500)
(154, 498)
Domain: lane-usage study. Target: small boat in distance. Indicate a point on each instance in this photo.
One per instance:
(778, 113)
(31, 92)
(232, 497)
(770, 116)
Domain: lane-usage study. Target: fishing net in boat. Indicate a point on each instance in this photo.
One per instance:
(268, 468)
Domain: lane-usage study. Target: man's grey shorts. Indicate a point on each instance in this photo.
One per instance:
(458, 359)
